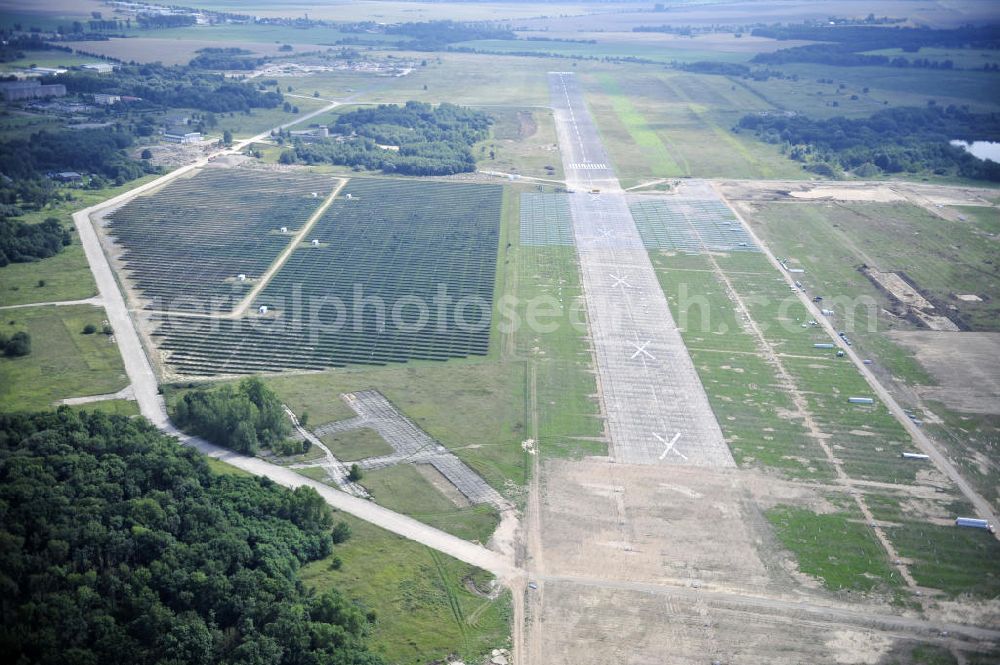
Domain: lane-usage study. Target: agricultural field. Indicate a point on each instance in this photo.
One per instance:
(64, 362)
(605, 49)
(185, 245)
(457, 78)
(396, 11)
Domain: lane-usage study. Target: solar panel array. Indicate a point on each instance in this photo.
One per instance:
(185, 245)
(370, 292)
(545, 219)
(689, 225)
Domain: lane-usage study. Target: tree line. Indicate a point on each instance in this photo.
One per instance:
(897, 140)
(436, 35)
(226, 58)
(846, 45)
(12, 47)
(175, 86)
(160, 21)
(430, 140)
(120, 547)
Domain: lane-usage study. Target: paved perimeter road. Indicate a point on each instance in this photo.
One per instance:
(656, 407)
(152, 406)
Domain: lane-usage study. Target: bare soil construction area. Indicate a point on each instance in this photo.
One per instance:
(855, 191)
(931, 197)
(966, 366)
(611, 625)
(639, 566)
(637, 523)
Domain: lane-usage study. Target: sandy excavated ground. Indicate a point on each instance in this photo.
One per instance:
(935, 198)
(876, 193)
(855, 191)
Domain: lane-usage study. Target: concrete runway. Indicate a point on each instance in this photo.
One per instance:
(656, 408)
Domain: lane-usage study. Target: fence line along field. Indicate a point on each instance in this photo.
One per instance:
(186, 245)
(364, 287)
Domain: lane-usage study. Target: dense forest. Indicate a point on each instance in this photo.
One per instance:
(25, 161)
(430, 140)
(119, 546)
(895, 140)
(172, 87)
(21, 242)
(98, 150)
(244, 418)
(846, 45)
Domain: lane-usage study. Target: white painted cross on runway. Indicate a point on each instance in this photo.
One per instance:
(670, 445)
(641, 350)
(619, 280)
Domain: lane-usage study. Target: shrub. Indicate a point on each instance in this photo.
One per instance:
(18, 345)
(341, 533)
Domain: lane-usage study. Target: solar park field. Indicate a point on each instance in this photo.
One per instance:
(185, 245)
(365, 285)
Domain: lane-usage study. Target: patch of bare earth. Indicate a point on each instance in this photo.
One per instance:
(965, 365)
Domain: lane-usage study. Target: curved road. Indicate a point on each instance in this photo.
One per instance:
(152, 406)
